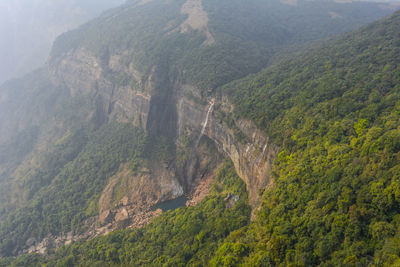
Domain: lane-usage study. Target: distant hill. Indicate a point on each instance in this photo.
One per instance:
(28, 29)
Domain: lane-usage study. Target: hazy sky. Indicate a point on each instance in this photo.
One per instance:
(28, 28)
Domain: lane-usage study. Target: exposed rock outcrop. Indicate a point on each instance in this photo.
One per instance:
(252, 157)
(171, 109)
(197, 19)
(177, 112)
(130, 193)
(97, 81)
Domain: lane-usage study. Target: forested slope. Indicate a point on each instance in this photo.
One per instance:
(59, 149)
(188, 235)
(234, 38)
(333, 112)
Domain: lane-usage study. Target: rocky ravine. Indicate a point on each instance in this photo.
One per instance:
(252, 159)
(182, 109)
(179, 113)
(166, 106)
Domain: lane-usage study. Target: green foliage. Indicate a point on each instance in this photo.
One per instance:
(69, 184)
(335, 198)
(186, 236)
(247, 35)
(30, 260)
(159, 148)
(230, 122)
(310, 99)
(227, 181)
(13, 151)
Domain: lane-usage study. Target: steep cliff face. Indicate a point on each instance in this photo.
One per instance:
(251, 153)
(157, 73)
(249, 149)
(176, 109)
(157, 65)
(103, 83)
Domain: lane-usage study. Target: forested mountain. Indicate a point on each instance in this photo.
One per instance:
(334, 111)
(160, 100)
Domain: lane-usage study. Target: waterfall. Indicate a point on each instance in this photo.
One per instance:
(205, 124)
(203, 129)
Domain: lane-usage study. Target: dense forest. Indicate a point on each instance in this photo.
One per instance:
(248, 36)
(56, 155)
(188, 235)
(332, 107)
(335, 113)
(63, 191)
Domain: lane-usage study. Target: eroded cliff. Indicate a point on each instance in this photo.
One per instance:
(171, 108)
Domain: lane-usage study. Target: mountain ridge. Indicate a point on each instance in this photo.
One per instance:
(334, 199)
(159, 87)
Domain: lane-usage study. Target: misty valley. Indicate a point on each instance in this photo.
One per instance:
(200, 133)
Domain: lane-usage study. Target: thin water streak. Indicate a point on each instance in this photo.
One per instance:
(203, 129)
(205, 123)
